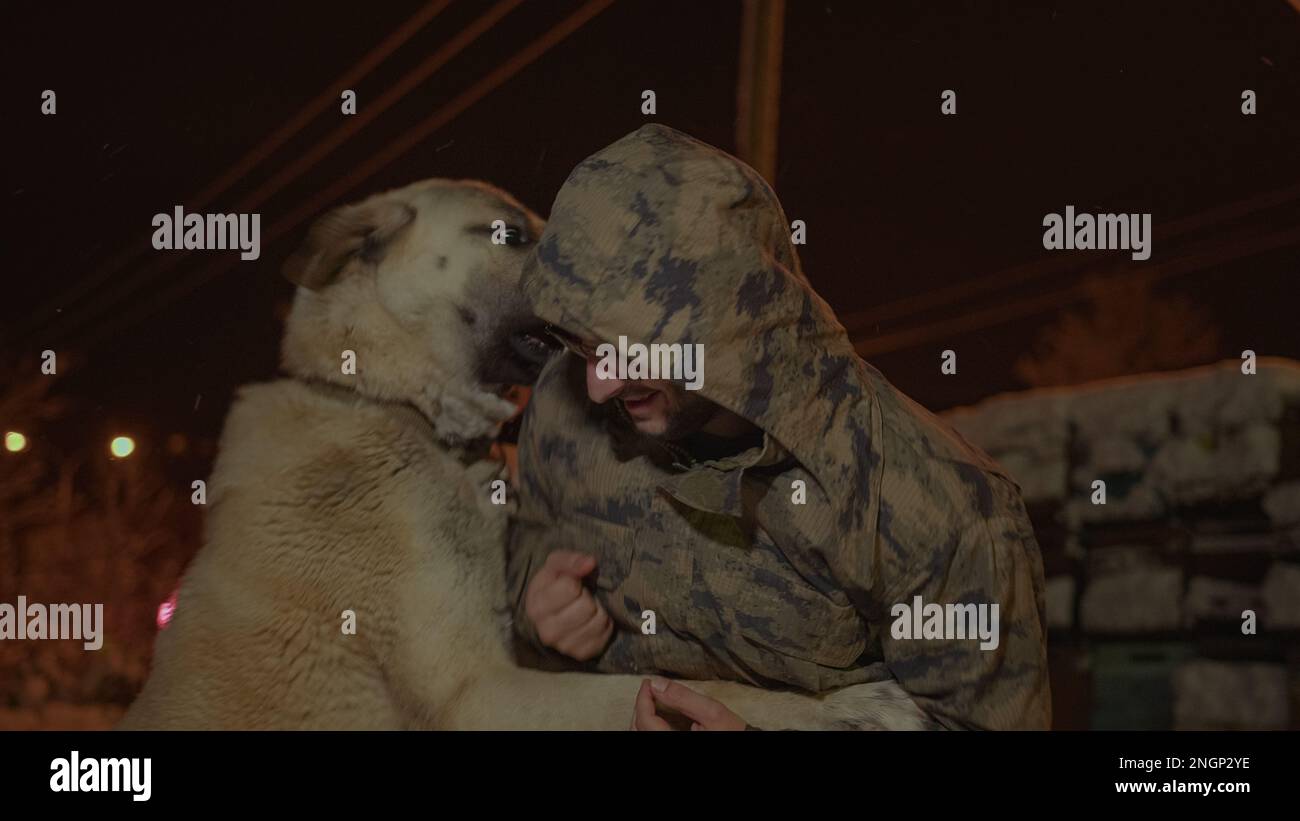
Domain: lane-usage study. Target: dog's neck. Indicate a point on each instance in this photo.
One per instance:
(395, 363)
(468, 450)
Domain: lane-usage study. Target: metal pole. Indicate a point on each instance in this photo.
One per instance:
(758, 92)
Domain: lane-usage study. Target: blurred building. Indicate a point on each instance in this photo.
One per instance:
(1151, 593)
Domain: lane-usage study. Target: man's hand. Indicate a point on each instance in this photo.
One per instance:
(705, 713)
(565, 613)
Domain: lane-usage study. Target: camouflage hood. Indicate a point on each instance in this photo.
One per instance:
(662, 238)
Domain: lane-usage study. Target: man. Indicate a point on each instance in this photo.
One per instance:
(766, 527)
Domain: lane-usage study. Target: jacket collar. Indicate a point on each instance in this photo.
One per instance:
(715, 485)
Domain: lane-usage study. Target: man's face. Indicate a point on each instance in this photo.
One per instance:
(655, 407)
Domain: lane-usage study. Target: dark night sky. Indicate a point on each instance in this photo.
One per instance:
(1108, 105)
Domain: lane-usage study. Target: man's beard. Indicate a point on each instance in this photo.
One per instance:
(687, 413)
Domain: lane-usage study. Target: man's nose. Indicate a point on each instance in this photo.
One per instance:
(600, 390)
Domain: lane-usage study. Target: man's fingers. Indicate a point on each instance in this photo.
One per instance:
(686, 701)
(557, 583)
(587, 641)
(565, 624)
(644, 716)
(569, 563)
(575, 615)
(565, 614)
(553, 595)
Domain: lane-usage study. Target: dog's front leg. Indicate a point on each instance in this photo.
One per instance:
(521, 699)
(513, 698)
(448, 666)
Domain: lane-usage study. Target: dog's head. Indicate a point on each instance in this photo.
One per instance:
(412, 283)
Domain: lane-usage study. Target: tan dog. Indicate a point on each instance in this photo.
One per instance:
(369, 493)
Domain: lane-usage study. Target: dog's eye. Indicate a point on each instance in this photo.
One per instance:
(515, 237)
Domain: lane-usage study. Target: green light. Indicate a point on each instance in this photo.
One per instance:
(122, 446)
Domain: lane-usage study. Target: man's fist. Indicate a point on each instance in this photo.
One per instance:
(567, 617)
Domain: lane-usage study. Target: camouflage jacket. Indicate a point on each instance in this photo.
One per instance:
(780, 565)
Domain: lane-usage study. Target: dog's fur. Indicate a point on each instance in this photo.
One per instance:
(365, 492)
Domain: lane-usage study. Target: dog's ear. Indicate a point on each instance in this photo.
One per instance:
(352, 231)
